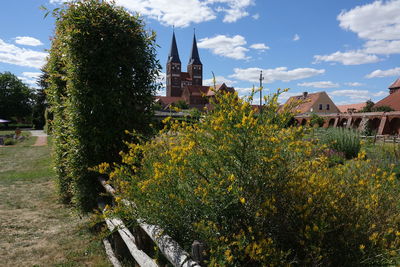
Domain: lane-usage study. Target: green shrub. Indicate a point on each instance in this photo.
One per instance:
(316, 120)
(9, 142)
(343, 140)
(181, 104)
(259, 194)
(101, 78)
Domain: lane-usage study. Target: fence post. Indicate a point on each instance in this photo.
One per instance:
(199, 252)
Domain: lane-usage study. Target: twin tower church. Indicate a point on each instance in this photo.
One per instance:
(187, 86)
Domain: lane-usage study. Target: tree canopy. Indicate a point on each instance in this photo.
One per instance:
(15, 97)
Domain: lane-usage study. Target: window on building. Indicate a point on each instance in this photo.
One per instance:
(327, 107)
(320, 106)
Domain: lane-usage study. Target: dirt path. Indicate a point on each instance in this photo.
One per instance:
(41, 137)
(41, 141)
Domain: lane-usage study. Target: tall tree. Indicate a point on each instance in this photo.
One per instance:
(102, 70)
(40, 103)
(15, 97)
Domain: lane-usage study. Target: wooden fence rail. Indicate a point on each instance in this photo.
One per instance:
(384, 138)
(168, 247)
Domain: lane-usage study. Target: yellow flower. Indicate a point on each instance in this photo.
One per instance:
(242, 200)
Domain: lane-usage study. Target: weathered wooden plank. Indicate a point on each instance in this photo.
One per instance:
(140, 257)
(110, 254)
(168, 247)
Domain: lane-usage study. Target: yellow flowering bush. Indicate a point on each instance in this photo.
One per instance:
(259, 194)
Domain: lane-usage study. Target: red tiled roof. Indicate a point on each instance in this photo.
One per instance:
(198, 89)
(396, 84)
(167, 100)
(306, 102)
(220, 87)
(354, 107)
(392, 100)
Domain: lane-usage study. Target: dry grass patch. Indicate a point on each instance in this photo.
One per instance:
(35, 229)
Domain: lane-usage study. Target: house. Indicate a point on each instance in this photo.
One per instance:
(393, 99)
(319, 103)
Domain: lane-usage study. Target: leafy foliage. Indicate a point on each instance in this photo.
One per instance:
(370, 107)
(15, 97)
(260, 194)
(102, 70)
(181, 104)
(38, 109)
(343, 140)
(383, 109)
(316, 120)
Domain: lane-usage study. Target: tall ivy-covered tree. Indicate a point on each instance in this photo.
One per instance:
(15, 97)
(102, 69)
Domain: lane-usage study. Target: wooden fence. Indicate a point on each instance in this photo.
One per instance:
(383, 138)
(123, 240)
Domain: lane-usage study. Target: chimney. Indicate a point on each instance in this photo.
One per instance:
(305, 94)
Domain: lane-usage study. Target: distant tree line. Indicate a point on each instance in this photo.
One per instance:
(370, 107)
(21, 104)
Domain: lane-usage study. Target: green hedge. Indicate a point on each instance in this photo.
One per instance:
(102, 68)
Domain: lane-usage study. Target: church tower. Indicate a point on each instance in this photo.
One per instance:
(195, 68)
(174, 71)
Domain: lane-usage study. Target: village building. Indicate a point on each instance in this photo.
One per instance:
(187, 86)
(393, 99)
(308, 103)
(379, 123)
(351, 108)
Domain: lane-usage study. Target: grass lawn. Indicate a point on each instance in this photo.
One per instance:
(36, 230)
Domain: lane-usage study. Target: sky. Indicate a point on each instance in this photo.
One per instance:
(347, 48)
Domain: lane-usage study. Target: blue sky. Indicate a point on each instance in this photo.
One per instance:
(348, 48)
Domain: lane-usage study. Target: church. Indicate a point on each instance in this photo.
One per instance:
(187, 86)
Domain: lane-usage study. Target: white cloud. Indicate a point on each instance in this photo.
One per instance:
(321, 84)
(378, 23)
(256, 16)
(180, 13)
(222, 45)
(379, 20)
(12, 54)
(286, 95)
(382, 47)
(348, 58)
(259, 46)
(26, 40)
(354, 84)
(277, 74)
(30, 78)
(235, 9)
(357, 95)
(219, 80)
(384, 73)
(183, 13)
(296, 37)
(245, 91)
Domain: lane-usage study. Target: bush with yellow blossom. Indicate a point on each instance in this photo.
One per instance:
(259, 194)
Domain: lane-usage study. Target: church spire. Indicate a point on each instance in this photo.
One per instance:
(173, 56)
(194, 56)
